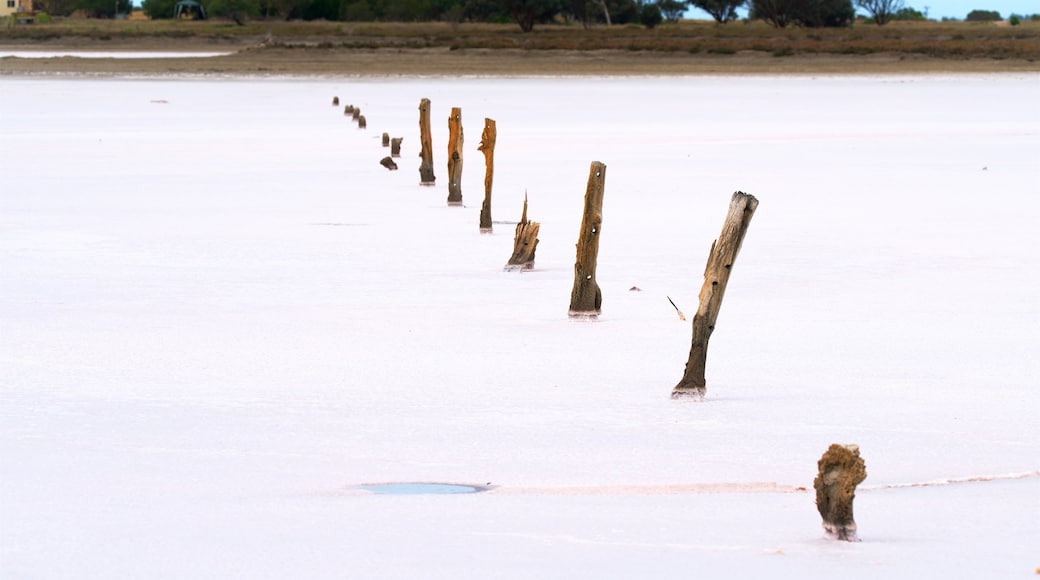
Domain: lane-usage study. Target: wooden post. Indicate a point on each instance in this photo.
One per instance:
(586, 297)
(388, 163)
(395, 146)
(361, 122)
(455, 157)
(487, 147)
(348, 110)
(426, 176)
(335, 101)
(386, 139)
(355, 113)
(716, 274)
(841, 469)
(525, 242)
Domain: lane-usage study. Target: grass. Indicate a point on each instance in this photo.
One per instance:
(950, 40)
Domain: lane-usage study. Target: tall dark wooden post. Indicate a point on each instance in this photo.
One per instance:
(426, 176)
(487, 147)
(723, 253)
(455, 157)
(586, 297)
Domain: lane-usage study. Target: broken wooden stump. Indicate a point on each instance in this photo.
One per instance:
(348, 110)
(395, 146)
(388, 163)
(455, 139)
(840, 470)
(586, 297)
(386, 139)
(487, 147)
(525, 242)
(426, 176)
(361, 122)
(716, 275)
(355, 114)
(335, 101)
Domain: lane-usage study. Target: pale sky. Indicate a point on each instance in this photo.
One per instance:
(937, 9)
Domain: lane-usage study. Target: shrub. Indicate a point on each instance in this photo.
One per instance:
(1015, 20)
(983, 16)
(650, 15)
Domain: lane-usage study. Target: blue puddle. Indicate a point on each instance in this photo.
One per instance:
(421, 488)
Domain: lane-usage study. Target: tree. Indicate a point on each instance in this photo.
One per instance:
(527, 13)
(156, 9)
(104, 8)
(826, 13)
(672, 10)
(779, 13)
(721, 10)
(650, 15)
(882, 11)
(983, 16)
(909, 13)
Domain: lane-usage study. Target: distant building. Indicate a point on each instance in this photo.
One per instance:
(9, 7)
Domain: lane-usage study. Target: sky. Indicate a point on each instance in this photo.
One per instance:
(938, 9)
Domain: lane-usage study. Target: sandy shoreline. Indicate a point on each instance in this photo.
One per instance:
(252, 59)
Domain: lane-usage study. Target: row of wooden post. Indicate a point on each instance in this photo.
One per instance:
(840, 469)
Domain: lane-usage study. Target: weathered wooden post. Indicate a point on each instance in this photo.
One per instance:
(388, 163)
(455, 157)
(525, 242)
(386, 139)
(348, 110)
(487, 147)
(426, 176)
(335, 101)
(362, 122)
(716, 274)
(841, 469)
(586, 297)
(395, 146)
(355, 114)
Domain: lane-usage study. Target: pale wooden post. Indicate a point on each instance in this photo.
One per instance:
(395, 146)
(455, 139)
(487, 147)
(586, 297)
(426, 176)
(723, 253)
(525, 242)
(840, 470)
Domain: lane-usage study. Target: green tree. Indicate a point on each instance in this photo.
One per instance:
(526, 13)
(908, 13)
(672, 10)
(236, 10)
(721, 10)
(881, 11)
(983, 16)
(826, 13)
(104, 8)
(779, 13)
(157, 9)
(650, 15)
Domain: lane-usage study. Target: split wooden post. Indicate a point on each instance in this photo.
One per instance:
(395, 146)
(586, 297)
(487, 147)
(525, 242)
(841, 469)
(386, 139)
(455, 139)
(723, 253)
(426, 176)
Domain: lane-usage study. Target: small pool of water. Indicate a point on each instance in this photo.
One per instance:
(418, 488)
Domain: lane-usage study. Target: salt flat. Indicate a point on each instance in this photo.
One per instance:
(219, 314)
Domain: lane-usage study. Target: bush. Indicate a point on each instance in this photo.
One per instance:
(650, 15)
(1015, 20)
(983, 16)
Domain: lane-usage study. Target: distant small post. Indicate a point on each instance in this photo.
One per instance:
(354, 114)
(586, 297)
(362, 122)
(335, 101)
(487, 147)
(525, 242)
(840, 470)
(716, 275)
(386, 139)
(455, 139)
(395, 146)
(426, 176)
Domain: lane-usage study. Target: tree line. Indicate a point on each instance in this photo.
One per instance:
(525, 13)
